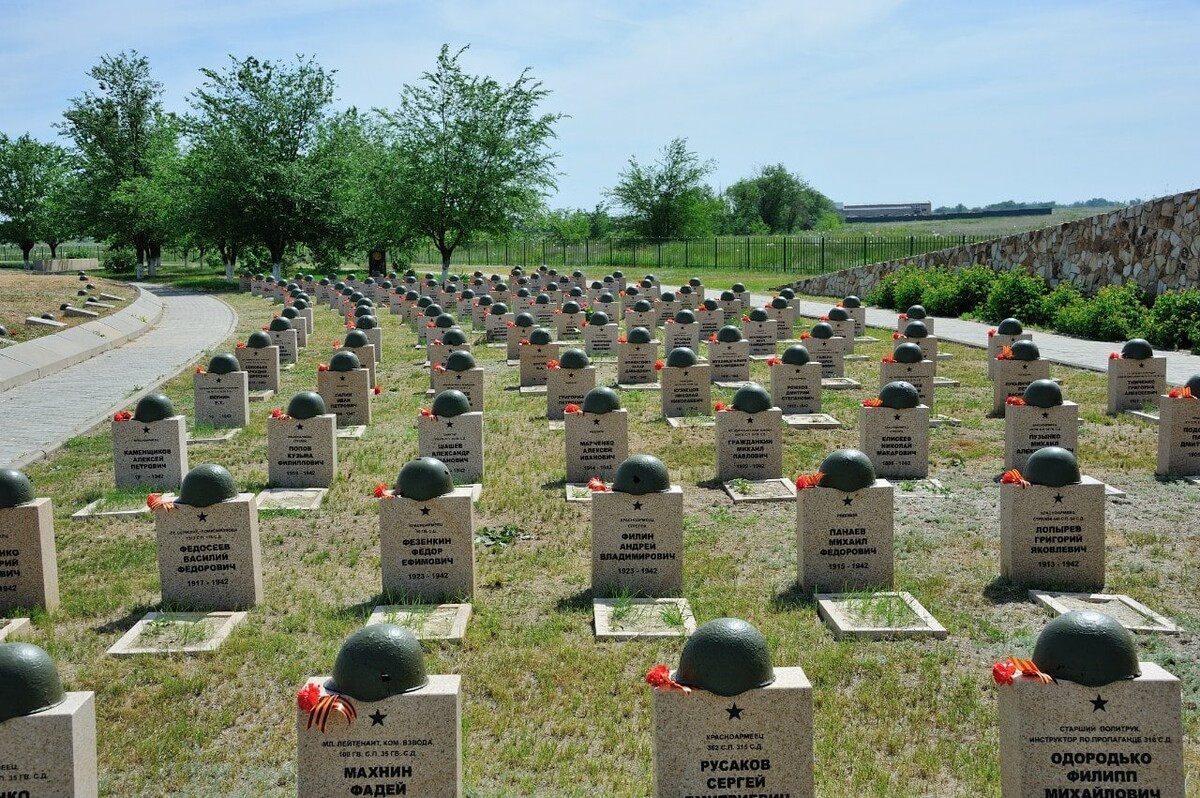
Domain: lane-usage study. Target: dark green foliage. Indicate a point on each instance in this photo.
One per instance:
(1115, 313)
(1175, 320)
(1015, 293)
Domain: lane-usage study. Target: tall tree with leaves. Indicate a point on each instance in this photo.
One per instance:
(33, 176)
(774, 201)
(667, 199)
(469, 154)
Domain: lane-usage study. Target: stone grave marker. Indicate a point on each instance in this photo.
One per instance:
(682, 331)
(436, 327)
(567, 381)
(369, 326)
(919, 334)
(750, 442)
(28, 556)
(637, 532)
(284, 336)
(515, 333)
(1007, 333)
(344, 385)
(762, 332)
(150, 445)
(1135, 377)
(208, 548)
(302, 444)
(686, 384)
(461, 374)
(569, 321)
(641, 314)
(543, 310)
(480, 310)
(914, 313)
(666, 306)
(607, 303)
(222, 393)
(636, 357)
(710, 318)
(843, 327)
(1052, 524)
(827, 350)
(1107, 725)
(534, 356)
(597, 438)
(600, 335)
(741, 294)
(729, 356)
(893, 431)
(299, 324)
(1179, 431)
(784, 315)
(907, 363)
(1012, 372)
(730, 306)
(436, 351)
(796, 382)
(496, 322)
(1040, 419)
(845, 526)
(357, 342)
(854, 307)
(453, 434)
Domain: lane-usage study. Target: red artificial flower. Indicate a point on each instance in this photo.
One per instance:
(712, 339)
(896, 336)
(275, 315)
(805, 481)
(155, 501)
(428, 324)
(887, 359)
(382, 492)
(322, 367)
(523, 342)
(825, 317)
(378, 390)
(437, 342)
(597, 485)
(1015, 401)
(621, 339)
(1180, 393)
(124, 415)
(572, 408)
(773, 361)
(1003, 672)
(337, 344)
(745, 318)
(1114, 355)
(659, 677)
(241, 344)
(658, 365)
(439, 368)
(1013, 477)
(551, 364)
(767, 306)
(266, 328)
(903, 317)
(872, 403)
(840, 305)
(1005, 353)
(200, 370)
(992, 332)
(510, 324)
(277, 413)
(308, 697)
(720, 407)
(804, 336)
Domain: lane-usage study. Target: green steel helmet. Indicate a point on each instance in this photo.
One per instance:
(606, 298)
(1010, 326)
(551, 286)
(916, 312)
(29, 680)
(154, 407)
(681, 357)
(280, 324)
(695, 282)
(1043, 393)
(847, 470)
(685, 316)
(413, 296)
(306, 404)
(1053, 466)
(540, 337)
(851, 301)
(1193, 384)
(223, 363)
(339, 286)
(574, 359)
(916, 329)
(451, 403)
(618, 274)
(822, 329)
(601, 400)
(632, 290)
(908, 352)
(300, 304)
(344, 361)
(498, 309)
(369, 281)
(838, 314)
(599, 319)
(787, 294)
(795, 355)
(347, 291)
(355, 296)
(640, 474)
(454, 337)
(596, 285)
(378, 661)
(571, 307)
(710, 304)
(639, 335)
(729, 334)
(726, 656)
(523, 320)
(364, 310)
(1087, 647)
(1025, 350)
(500, 288)
(258, 340)
(642, 306)
(758, 314)
(575, 292)
(461, 360)
(206, 484)
(752, 398)
(289, 313)
(1137, 349)
(728, 296)
(541, 299)
(647, 283)
(15, 488)
(467, 293)
(899, 395)
(433, 310)
(368, 323)
(354, 339)
(686, 290)
(324, 281)
(386, 285)
(423, 479)
(779, 303)
(486, 301)
(522, 293)
(667, 296)
(444, 322)
(738, 288)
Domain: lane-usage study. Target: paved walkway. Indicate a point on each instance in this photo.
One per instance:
(41, 415)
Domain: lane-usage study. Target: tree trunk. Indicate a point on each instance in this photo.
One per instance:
(26, 246)
(139, 243)
(276, 249)
(446, 253)
(53, 244)
(155, 256)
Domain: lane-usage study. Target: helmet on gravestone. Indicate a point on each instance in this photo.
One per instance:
(451, 403)
(223, 363)
(369, 281)
(541, 299)
(206, 484)
(574, 359)
(787, 294)
(498, 309)
(822, 329)
(467, 293)
(523, 320)
(289, 313)
(667, 296)
(686, 290)
(738, 288)
(348, 291)
(606, 298)
(908, 352)
(752, 398)
(354, 339)
(639, 335)
(847, 470)
(1087, 647)
(575, 292)
(1025, 350)
(1137, 349)
(779, 303)
(796, 355)
(258, 340)
(758, 314)
(355, 296)
(685, 316)
(423, 479)
(899, 395)
(364, 310)
(1053, 466)
(306, 404)
(540, 337)
(729, 334)
(367, 323)
(681, 357)
(1193, 384)
(695, 282)
(726, 656)
(838, 314)
(522, 293)
(727, 296)
(1043, 393)
(618, 274)
(709, 304)
(596, 285)
(640, 474)
(916, 312)
(29, 680)
(154, 407)
(386, 284)
(378, 661)
(280, 324)
(599, 319)
(433, 310)
(1010, 326)
(500, 287)
(445, 321)
(601, 400)
(344, 361)
(642, 306)
(300, 304)
(916, 329)
(631, 290)
(552, 286)
(571, 307)
(454, 337)
(647, 282)
(851, 301)
(485, 301)
(412, 296)
(461, 360)
(15, 488)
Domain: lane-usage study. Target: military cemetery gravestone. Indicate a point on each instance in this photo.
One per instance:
(740, 294)
(410, 724)
(1084, 717)
(907, 363)
(496, 322)
(1036, 419)
(259, 358)
(641, 314)
(729, 356)
(606, 303)
(762, 332)
(1012, 372)
(597, 437)
(222, 393)
(919, 334)
(637, 532)
(437, 350)
(569, 320)
(543, 310)
(461, 374)
(784, 315)
(893, 431)
(452, 433)
(710, 318)
(600, 335)
(729, 723)
(1052, 524)
(854, 307)
(750, 438)
(666, 306)
(427, 534)
(302, 444)
(796, 382)
(1179, 431)
(284, 336)
(515, 333)
(299, 324)
(843, 327)
(28, 556)
(369, 325)
(827, 350)
(47, 735)
(845, 526)
(1007, 333)
(480, 311)
(636, 356)
(150, 445)
(356, 341)
(344, 385)
(682, 331)
(1135, 377)
(914, 313)
(686, 385)
(567, 381)
(534, 356)
(730, 305)
(208, 548)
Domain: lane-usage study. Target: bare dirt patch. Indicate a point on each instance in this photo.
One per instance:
(24, 294)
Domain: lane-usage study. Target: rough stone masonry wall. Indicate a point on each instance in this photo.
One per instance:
(1155, 244)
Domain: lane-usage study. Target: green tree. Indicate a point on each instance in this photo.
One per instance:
(667, 199)
(33, 179)
(774, 201)
(469, 155)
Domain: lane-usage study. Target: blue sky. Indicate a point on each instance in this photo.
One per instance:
(869, 100)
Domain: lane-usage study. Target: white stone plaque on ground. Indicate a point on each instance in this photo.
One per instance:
(28, 559)
(302, 453)
(596, 444)
(643, 618)
(455, 440)
(51, 752)
(150, 454)
(177, 633)
(749, 445)
(896, 440)
(347, 395)
(208, 557)
(426, 621)
(796, 389)
(1133, 615)
(1012, 377)
(427, 548)
(1178, 436)
(304, 499)
(886, 615)
(1134, 383)
(729, 361)
(637, 543)
(844, 539)
(1028, 428)
(1053, 537)
(686, 390)
(222, 400)
(811, 421)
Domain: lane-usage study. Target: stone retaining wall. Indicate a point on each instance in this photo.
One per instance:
(1155, 244)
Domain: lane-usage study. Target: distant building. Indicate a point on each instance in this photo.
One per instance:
(892, 209)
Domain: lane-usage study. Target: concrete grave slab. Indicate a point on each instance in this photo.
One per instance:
(426, 621)
(11, 627)
(888, 615)
(748, 491)
(351, 431)
(219, 437)
(642, 619)
(305, 499)
(177, 633)
(839, 384)
(811, 421)
(1133, 615)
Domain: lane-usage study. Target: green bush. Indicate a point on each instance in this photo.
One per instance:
(911, 286)
(1115, 313)
(1174, 319)
(883, 295)
(954, 293)
(1063, 296)
(119, 260)
(1016, 293)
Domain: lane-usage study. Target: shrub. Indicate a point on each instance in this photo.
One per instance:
(1115, 313)
(883, 295)
(119, 259)
(953, 293)
(1015, 293)
(1174, 319)
(911, 285)
(1063, 296)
